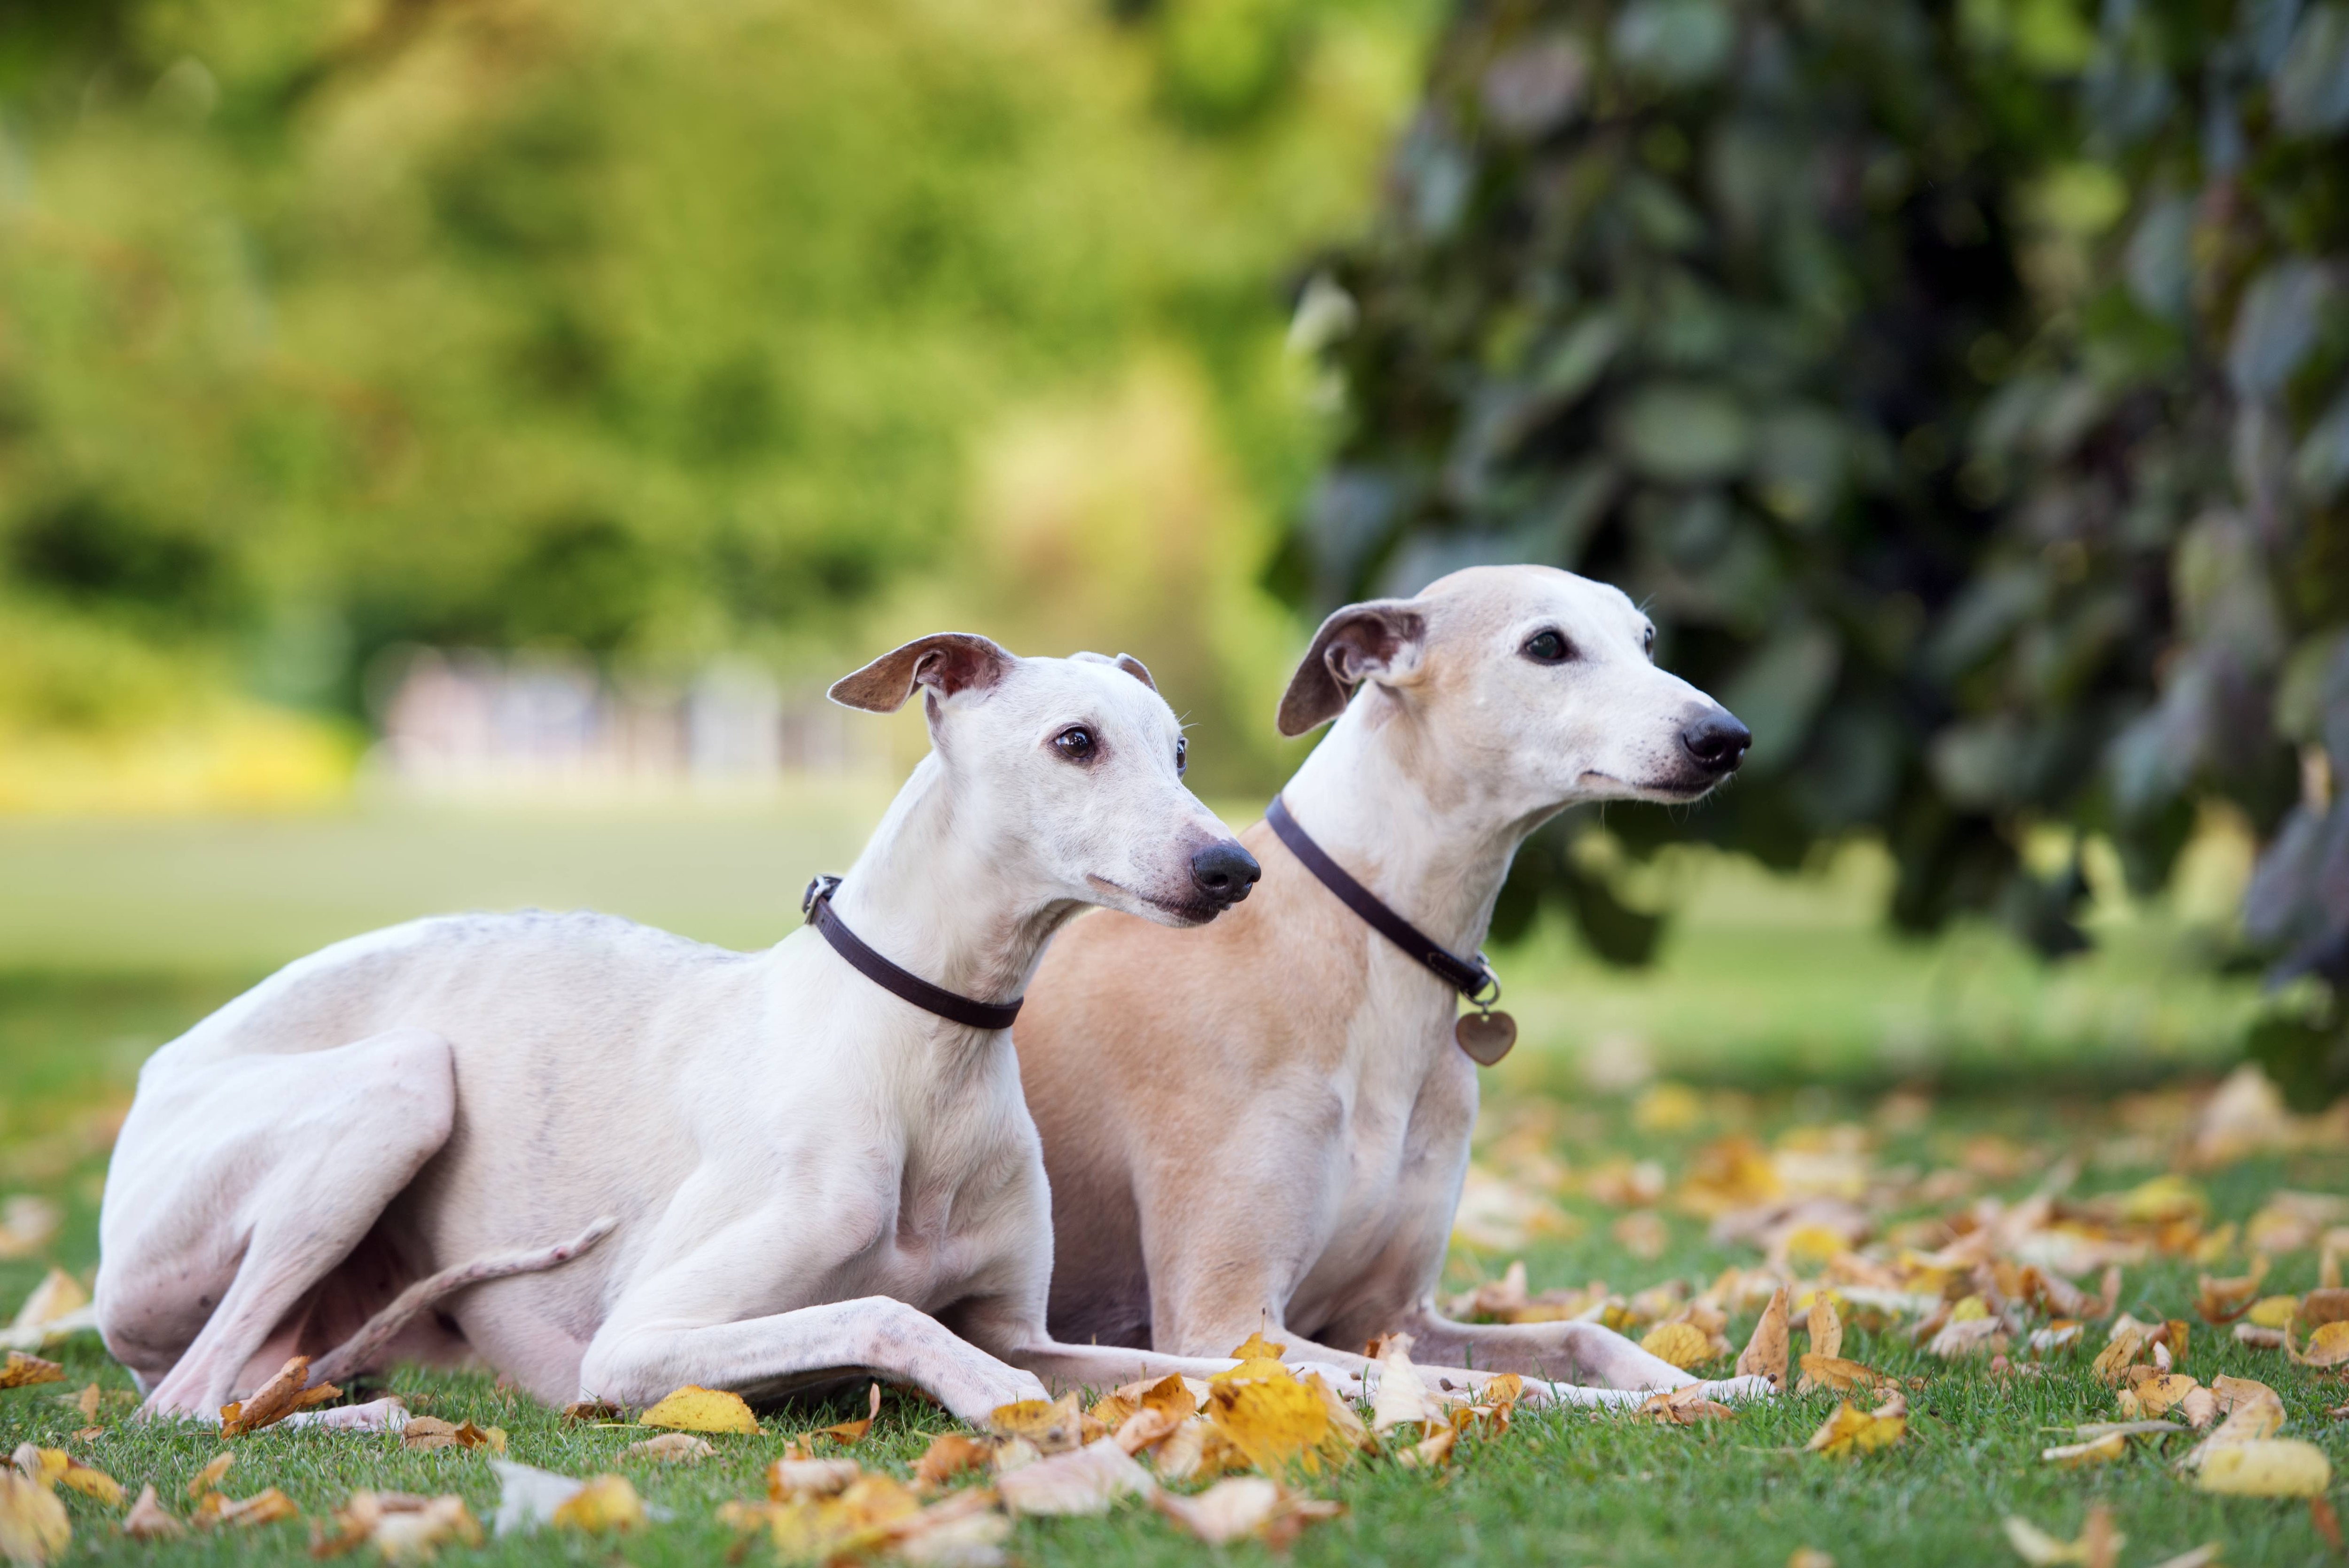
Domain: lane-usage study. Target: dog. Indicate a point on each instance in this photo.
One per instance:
(1265, 1125)
(775, 1173)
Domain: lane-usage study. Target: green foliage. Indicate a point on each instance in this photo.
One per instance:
(1961, 387)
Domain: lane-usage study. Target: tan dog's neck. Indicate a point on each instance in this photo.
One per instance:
(935, 894)
(1434, 846)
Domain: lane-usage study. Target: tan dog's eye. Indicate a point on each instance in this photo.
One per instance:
(1548, 649)
(1075, 744)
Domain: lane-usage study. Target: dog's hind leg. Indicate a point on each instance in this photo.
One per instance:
(239, 1183)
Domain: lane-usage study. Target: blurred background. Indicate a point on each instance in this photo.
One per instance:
(446, 449)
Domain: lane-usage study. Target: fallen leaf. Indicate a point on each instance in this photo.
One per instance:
(1171, 1395)
(2119, 1354)
(1402, 1398)
(58, 1296)
(1765, 1353)
(1086, 1482)
(1966, 1337)
(2099, 1544)
(1257, 1348)
(1430, 1453)
(789, 1479)
(1685, 1407)
(1851, 1430)
(845, 1432)
(1682, 1344)
(950, 1454)
(2159, 1392)
(34, 1526)
(2328, 1347)
(149, 1520)
(267, 1506)
(1143, 1430)
(1055, 1427)
(87, 1402)
(2274, 1311)
(2202, 1556)
(1232, 1508)
(2266, 1467)
(404, 1527)
(673, 1448)
(592, 1410)
(275, 1400)
(2252, 1335)
(2221, 1301)
(2096, 1451)
(694, 1408)
(1837, 1374)
(1273, 1423)
(22, 1371)
(209, 1478)
(1183, 1456)
(54, 1467)
(429, 1432)
(1826, 1328)
(2327, 1523)
(604, 1502)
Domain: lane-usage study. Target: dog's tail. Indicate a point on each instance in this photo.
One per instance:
(360, 1351)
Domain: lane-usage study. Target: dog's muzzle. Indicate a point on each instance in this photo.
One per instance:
(1716, 742)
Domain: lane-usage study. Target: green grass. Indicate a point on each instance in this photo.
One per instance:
(1786, 1003)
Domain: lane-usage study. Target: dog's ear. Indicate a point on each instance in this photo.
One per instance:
(946, 662)
(1380, 639)
(1125, 662)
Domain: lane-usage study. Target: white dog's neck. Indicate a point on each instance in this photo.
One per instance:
(937, 892)
(1434, 846)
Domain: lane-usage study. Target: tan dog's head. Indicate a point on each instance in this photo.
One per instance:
(1535, 683)
(1071, 768)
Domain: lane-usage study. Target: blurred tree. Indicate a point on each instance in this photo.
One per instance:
(1960, 385)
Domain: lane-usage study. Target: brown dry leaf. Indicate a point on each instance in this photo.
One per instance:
(694, 1408)
(1685, 1407)
(1145, 1428)
(847, 1432)
(1837, 1374)
(1086, 1482)
(671, 1447)
(267, 1506)
(149, 1520)
(2100, 1545)
(1273, 1423)
(2096, 1451)
(1111, 1411)
(1825, 1327)
(34, 1526)
(1053, 1427)
(2113, 1362)
(1171, 1395)
(1430, 1453)
(591, 1410)
(22, 1371)
(1765, 1353)
(209, 1478)
(2252, 1336)
(606, 1502)
(2158, 1393)
(87, 1402)
(275, 1400)
(1851, 1430)
(1963, 1338)
(2266, 1467)
(2221, 1301)
(2328, 1347)
(950, 1454)
(789, 1480)
(1684, 1345)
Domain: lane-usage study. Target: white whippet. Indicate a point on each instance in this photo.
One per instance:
(775, 1173)
(1266, 1123)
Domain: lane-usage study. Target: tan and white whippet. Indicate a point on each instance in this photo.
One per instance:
(775, 1173)
(1265, 1123)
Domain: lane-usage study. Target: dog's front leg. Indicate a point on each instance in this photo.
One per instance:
(1584, 1363)
(873, 1336)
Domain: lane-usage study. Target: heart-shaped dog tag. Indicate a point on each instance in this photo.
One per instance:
(1485, 1036)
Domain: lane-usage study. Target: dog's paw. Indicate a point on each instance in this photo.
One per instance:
(384, 1415)
(1750, 1388)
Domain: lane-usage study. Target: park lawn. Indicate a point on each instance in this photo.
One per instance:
(1556, 1487)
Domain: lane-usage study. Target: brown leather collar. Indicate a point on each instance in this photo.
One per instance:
(1471, 980)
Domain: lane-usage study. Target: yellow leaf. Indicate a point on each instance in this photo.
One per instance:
(606, 1502)
(34, 1527)
(1684, 1345)
(2071, 1456)
(1813, 1246)
(59, 1295)
(266, 1506)
(2267, 1466)
(1851, 1430)
(1272, 1424)
(853, 1431)
(2157, 1392)
(1055, 1427)
(2114, 1361)
(22, 1371)
(1837, 1374)
(91, 1482)
(209, 1478)
(2328, 1347)
(1257, 1348)
(274, 1401)
(1765, 1353)
(2274, 1311)
(694, 1408)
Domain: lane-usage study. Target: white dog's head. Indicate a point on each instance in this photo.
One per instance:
(1074, 766)
(1532, 681)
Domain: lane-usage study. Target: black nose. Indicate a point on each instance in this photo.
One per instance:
(1225, 872)
(1717, 742)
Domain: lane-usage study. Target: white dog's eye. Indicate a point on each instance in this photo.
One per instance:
(1074, 743)
(1648, 643)
(1182, 756)
(1548, 649)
